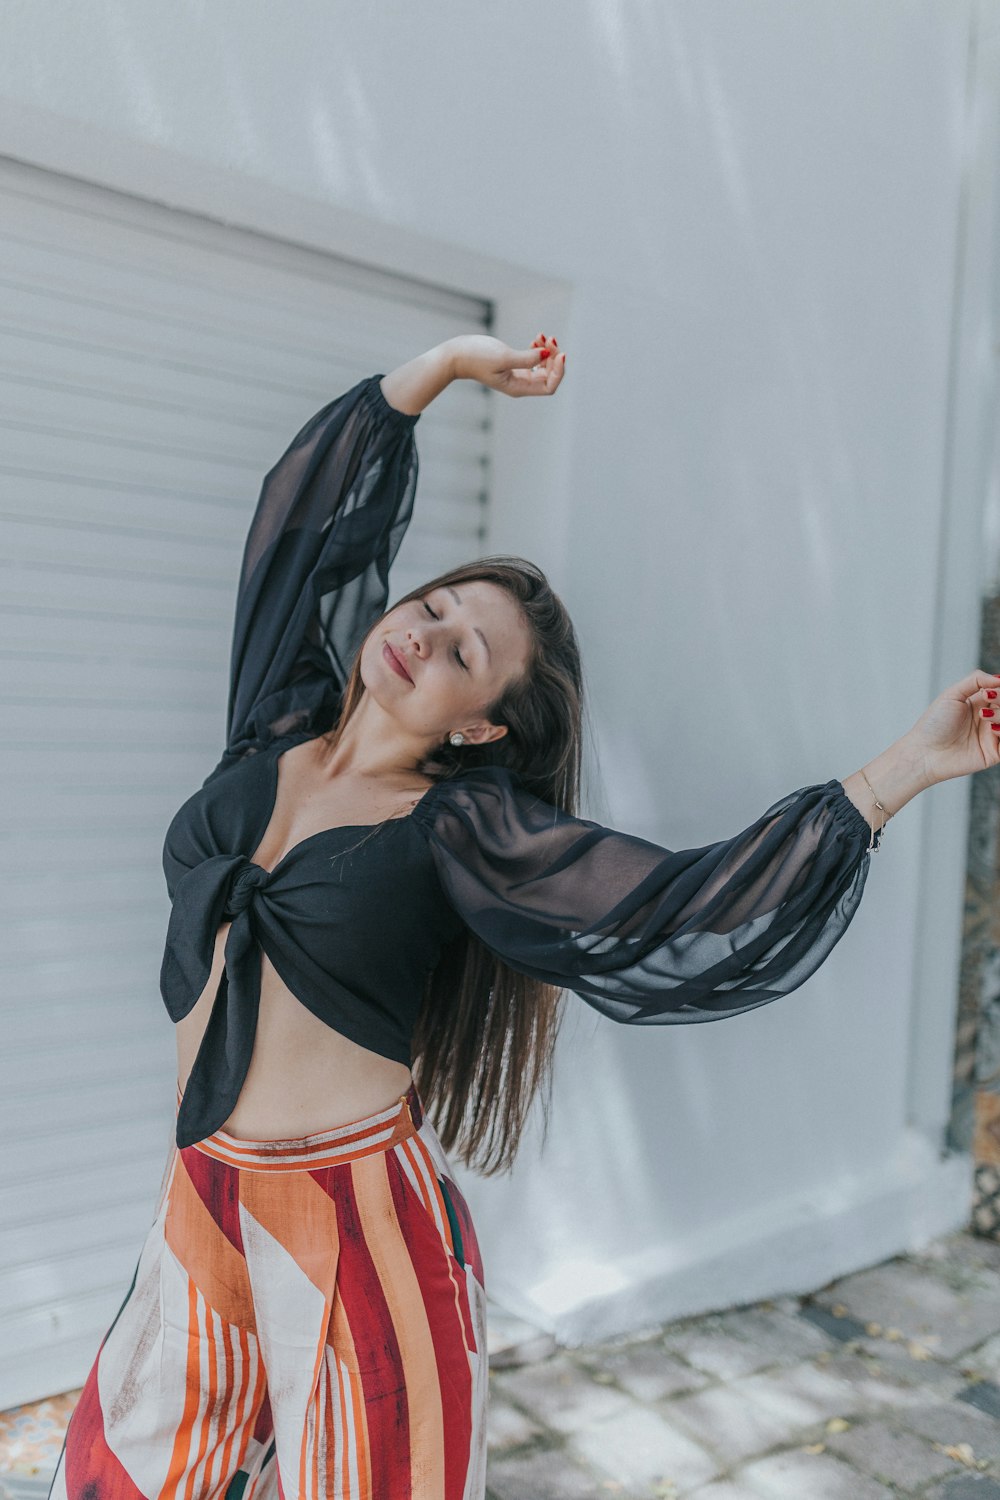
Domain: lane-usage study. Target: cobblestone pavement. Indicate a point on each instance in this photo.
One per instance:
(883, 1384)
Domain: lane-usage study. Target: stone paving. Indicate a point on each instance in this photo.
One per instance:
(883, 1384)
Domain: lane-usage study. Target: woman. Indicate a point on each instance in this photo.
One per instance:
(386, 868)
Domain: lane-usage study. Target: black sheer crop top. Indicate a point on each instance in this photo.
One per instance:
(354, 918)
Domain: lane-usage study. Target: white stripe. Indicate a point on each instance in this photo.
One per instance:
(351, 1438)
(202, 1316)
(430, 1186)
(409, 1170)
(475, 1479)
(246, 1159)
(338, 1448)
(234, 1399)
(224, 1399)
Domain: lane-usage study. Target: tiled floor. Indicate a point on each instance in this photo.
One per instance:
(31, 1436)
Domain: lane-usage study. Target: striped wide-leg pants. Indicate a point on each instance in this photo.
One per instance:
(307, 1320)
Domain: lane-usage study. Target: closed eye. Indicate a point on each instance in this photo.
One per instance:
(458, 654)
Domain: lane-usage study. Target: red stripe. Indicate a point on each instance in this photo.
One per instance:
(218, 1187)
(442, 1286)
(90, 1466)
(375, 1343)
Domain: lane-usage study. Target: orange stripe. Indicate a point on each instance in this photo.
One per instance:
(345, 1442)
(209, 1257)
(204, 1422)
(215, 1406)
(235, 1396)
(320, 1352)
(182, 1438)
(360, 1434)
(255, 1397)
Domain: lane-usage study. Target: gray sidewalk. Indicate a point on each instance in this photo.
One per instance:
(884, 1384)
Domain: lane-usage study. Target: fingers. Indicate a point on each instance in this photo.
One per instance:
(974, 683)
(551, 364)
(536, 371)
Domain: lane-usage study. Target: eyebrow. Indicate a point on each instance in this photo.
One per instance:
(455, 595)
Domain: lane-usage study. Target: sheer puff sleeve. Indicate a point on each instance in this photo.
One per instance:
(331, 515)
(644, 934)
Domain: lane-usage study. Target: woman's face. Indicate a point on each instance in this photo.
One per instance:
(436, 662)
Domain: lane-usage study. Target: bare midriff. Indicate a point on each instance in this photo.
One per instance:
(304, 1077)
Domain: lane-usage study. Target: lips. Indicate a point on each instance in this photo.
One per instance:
(396, 662)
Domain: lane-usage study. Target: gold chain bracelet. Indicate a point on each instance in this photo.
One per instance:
(885, 817)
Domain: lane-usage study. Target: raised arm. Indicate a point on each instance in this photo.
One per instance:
(331, 515)
(477, 356)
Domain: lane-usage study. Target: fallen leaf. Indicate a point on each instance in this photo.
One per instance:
(839, 1310)
(874, 1329)
(962, 1452)
(814, 1448)
(917, 1351)
(837, 1424)
(893, 1334)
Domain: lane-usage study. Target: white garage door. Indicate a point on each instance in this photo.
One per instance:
(152, 368)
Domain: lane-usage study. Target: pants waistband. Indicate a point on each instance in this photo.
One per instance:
(328, 1148)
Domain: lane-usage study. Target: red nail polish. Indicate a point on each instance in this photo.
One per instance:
(996, 727)
(991, 692)
(988, 713)
(545, 353)
(555, 341)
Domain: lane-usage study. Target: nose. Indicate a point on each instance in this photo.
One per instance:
(416, 640)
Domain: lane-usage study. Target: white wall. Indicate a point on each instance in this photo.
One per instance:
(741, 221)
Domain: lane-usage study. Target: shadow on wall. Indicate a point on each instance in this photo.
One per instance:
(975, 1114)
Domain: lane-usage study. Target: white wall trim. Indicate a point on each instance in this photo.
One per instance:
(44, 138)
(955, 642)
(901, 1205)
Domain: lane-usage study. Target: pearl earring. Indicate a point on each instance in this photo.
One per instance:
(457, 738)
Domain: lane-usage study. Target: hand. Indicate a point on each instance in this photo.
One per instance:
(952, 736)
(516, 372)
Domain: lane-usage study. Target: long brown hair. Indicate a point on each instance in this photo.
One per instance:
(484, 1040)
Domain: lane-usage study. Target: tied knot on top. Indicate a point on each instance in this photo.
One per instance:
(248, 879)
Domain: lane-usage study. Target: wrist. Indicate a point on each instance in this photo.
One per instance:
(450, 354)
(413, 386)
(895, 777)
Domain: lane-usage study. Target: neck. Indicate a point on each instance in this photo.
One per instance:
(372, 744)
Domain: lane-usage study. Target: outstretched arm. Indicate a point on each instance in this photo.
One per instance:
(515, 372)
(649, 935)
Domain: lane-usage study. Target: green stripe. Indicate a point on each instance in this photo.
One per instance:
(456, 1233)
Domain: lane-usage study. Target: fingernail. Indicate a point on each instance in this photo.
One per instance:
(555, 341)
(988, 713)
(996, 727)
(991, 692)
(545, 354)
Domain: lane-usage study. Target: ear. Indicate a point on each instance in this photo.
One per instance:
(484, 733)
